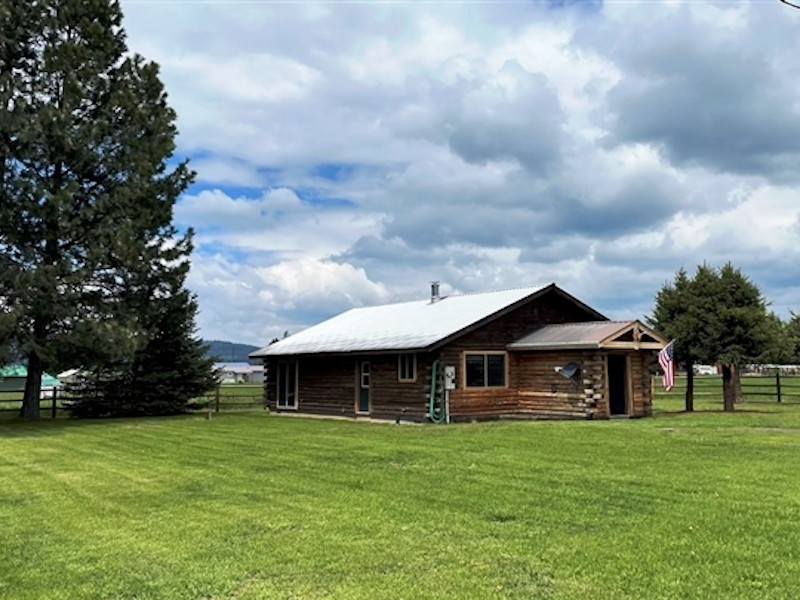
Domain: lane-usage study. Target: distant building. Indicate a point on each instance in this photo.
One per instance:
(239, 372)
(705, 370)
(12, 379)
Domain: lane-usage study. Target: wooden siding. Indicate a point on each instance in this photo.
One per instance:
(537, 390)
(329, 386)
(324, 385)
(392, 398)
(507, 401)
(545, 392)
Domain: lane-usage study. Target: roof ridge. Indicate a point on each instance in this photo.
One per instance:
(499, 290)
(533, 288)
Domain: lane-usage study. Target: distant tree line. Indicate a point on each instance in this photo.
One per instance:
(222, 351)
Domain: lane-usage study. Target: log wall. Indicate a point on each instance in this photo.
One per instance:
(642, 391)
(493, 402)
(391, 398)
(536, 390)
(329, 385)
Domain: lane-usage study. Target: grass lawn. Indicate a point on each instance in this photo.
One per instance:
(249, 505)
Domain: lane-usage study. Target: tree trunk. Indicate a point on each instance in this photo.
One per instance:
(689, 386)
(728, 388)
(33, 388)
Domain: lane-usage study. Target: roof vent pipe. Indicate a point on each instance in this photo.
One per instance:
(434, 291)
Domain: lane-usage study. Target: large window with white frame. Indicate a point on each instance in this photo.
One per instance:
(407, 367)
(287, 385)
(485, 369)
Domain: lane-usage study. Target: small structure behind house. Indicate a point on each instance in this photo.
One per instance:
(239, 372)
(12, 379)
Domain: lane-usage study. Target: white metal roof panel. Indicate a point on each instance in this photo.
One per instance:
(404, 326)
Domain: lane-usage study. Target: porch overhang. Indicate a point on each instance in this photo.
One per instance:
(593, 335)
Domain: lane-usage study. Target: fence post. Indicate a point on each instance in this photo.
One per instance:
(53, 408)
(778, 383)
(216, 399)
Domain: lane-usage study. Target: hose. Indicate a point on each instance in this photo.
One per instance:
(435, 391)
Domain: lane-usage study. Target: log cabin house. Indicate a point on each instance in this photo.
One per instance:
(520, 353)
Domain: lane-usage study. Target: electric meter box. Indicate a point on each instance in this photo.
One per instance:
(450, 378)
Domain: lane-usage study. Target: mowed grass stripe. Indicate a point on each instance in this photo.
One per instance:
(254, 506)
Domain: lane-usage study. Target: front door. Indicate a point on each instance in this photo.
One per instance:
(617, 384)
(363, 387)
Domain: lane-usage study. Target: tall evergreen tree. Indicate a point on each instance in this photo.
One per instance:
(781, 345)
(743, 327)
(162, 377)
(87, 185)
(792, 333)
(678, 314)
(718, 316)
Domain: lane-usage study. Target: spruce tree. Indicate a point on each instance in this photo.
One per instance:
(87, 187)
(162, 377)
(717, 316)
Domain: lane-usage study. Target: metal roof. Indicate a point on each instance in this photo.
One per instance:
(594, 334)
(12, 378)
(13, 371)
(238, 367)
(399, 327)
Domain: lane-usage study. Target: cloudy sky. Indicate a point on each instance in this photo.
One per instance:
(348, 153)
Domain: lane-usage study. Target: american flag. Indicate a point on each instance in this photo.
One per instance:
(666, 360)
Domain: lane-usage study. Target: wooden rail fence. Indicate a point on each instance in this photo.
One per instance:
(762, 387)
(227, 400)
(53, 404)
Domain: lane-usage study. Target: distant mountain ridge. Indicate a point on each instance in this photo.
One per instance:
(223, 351)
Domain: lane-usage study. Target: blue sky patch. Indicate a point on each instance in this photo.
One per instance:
(334, 171)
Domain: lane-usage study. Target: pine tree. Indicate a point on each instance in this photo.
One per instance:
(162, 377)
(87, 186)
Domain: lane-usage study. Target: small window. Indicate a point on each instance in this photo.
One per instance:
(485, 369)
(407, 367)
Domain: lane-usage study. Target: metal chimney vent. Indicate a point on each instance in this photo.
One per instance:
(434, 291)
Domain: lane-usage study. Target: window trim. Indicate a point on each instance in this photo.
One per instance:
(400, 360)
(365, 374)
(280, 384)
(485, 354)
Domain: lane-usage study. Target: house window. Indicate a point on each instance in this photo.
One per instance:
(407, 367)
(287, 385)
(485, 369)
